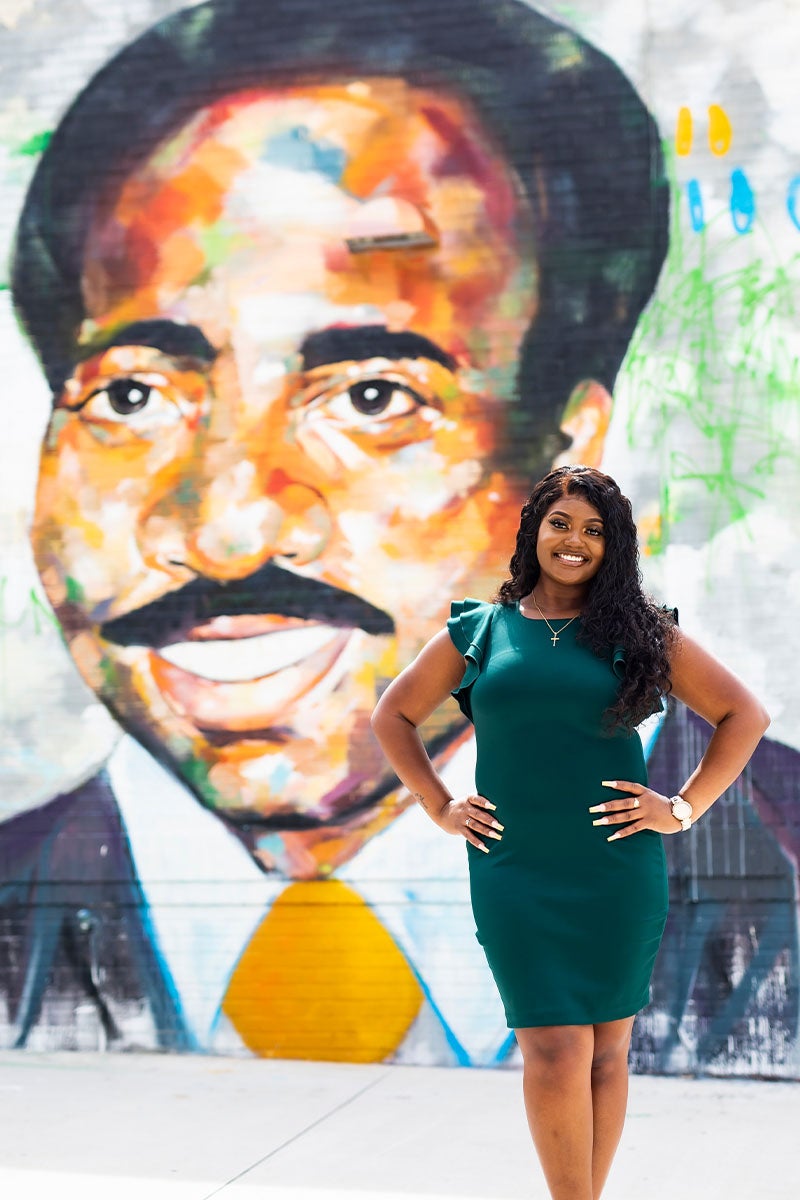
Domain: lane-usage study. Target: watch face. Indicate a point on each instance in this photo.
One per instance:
(681, 809)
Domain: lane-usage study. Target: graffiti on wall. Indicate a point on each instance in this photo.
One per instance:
(312, 322)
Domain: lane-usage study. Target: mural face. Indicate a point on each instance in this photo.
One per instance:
(250, 391)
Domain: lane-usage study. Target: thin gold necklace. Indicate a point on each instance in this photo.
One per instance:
(555, 632)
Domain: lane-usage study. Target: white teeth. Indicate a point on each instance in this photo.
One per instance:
(240, 659)
(576, 558)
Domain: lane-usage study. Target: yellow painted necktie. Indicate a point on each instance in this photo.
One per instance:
(322, 979)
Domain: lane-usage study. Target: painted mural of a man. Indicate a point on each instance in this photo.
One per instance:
(316, 304)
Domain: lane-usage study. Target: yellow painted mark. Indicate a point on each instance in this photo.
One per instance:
(720, 130)
(322, 979)
(683, 131)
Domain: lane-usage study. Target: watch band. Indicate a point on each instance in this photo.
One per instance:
(681, 811)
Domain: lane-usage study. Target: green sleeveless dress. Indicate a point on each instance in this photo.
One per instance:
(570, 923)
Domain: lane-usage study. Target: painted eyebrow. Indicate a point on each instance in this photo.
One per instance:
(170, 337)
(319, 349)
(357, 343)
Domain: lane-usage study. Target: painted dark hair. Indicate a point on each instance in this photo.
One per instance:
(585, 151)
(617, 612)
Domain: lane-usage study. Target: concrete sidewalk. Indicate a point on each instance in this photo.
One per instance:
(82, 1127)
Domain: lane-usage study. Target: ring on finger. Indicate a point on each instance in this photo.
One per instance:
(636, 802)
(468, 822)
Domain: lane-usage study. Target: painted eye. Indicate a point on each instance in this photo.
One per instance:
(381, 399)
(127, 396)
(131, 402)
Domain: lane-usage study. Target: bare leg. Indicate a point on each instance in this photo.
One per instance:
(557, 1085)
(609, 1094)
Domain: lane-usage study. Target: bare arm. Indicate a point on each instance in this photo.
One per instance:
(739, 719)
(716, 694)
(408, 702)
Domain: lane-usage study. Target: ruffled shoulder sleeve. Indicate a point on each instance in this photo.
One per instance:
(469, 625)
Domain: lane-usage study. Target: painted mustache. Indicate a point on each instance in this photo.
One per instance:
(270, 590)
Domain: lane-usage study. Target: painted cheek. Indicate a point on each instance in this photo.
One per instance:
(58, 510)
(444, 545)
(86, 531)
(420, 484)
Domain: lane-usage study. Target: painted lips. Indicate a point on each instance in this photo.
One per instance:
(235, 660)
(245, 684)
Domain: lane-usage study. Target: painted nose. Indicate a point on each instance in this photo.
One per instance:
(238, 525)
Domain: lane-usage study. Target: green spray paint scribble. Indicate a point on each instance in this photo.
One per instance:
(711, 354)
(34, 612)
(34, 145)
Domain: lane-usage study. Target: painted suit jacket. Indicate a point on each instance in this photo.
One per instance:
(74, 926)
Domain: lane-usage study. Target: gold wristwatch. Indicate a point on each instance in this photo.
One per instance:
(681, 811)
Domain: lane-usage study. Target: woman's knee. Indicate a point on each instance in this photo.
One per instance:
(611, 1044)
(556, 1049)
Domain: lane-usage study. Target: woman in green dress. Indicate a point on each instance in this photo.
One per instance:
(567, 871)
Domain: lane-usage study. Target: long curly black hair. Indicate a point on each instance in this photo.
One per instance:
(617, 611)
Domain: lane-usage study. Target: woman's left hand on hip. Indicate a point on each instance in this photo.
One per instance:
(643, 808)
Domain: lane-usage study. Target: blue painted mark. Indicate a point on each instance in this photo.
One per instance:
(297, 150)
(793, 201)
(695, 198)
(743, 202)
(280, 776)
(506, 1049)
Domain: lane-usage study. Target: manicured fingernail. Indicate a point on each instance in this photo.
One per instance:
(488, 804)
(598, 808)
(608, 783)
(601, 821)
(485, 849)
(497, 825)
(496, 836)
(613, 837)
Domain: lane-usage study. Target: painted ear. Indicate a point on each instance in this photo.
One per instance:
(586, 419)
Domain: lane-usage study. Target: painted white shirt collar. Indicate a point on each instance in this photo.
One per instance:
(206, 897)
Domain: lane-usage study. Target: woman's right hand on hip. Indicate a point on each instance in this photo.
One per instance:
(472, 819)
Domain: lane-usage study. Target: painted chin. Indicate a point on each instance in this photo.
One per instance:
(249, 685)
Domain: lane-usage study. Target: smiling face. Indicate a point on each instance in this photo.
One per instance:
(571, 543)
(271, 469)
